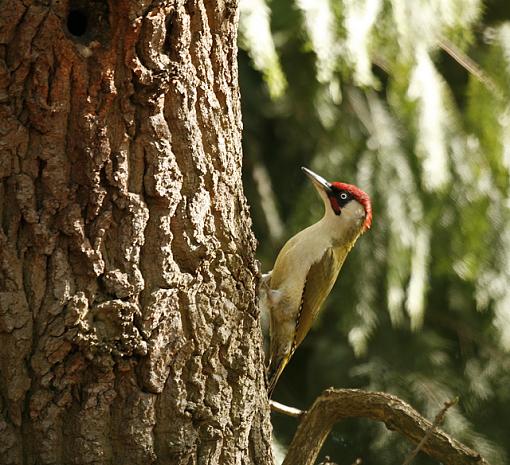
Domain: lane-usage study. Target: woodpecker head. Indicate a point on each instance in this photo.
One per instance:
(343, 199)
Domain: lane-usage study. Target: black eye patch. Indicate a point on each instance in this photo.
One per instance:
(342, 197)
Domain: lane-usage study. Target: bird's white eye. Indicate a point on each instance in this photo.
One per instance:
(343, 196)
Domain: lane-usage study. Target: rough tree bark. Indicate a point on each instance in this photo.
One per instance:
(128, 330)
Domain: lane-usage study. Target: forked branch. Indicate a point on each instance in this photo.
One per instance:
(336, 404)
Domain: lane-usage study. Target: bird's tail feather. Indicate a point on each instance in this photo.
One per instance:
(274, 371)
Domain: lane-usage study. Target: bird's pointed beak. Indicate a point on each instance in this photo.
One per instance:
(319, 182)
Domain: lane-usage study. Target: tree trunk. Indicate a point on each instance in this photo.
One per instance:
(128, 328)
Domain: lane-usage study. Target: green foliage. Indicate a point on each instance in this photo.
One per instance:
(410, 101)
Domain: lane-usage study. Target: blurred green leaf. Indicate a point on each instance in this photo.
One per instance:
(410, 101)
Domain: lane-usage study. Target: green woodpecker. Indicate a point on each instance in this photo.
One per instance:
(306, 269)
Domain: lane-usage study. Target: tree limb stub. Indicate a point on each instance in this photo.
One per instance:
(285, 409)
(336, 404)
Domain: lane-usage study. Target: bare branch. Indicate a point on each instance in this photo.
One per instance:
(470, 66)
(336, 404)
(437, 421)
(267, 201)
(286, 410)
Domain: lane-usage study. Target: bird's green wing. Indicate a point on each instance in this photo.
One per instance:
(318, 284)
(320, 279)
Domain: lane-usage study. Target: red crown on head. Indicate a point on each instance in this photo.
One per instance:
(362, 197)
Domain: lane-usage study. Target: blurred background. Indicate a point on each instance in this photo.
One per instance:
(408, 99)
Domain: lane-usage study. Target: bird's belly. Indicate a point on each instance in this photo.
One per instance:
(288, 301)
